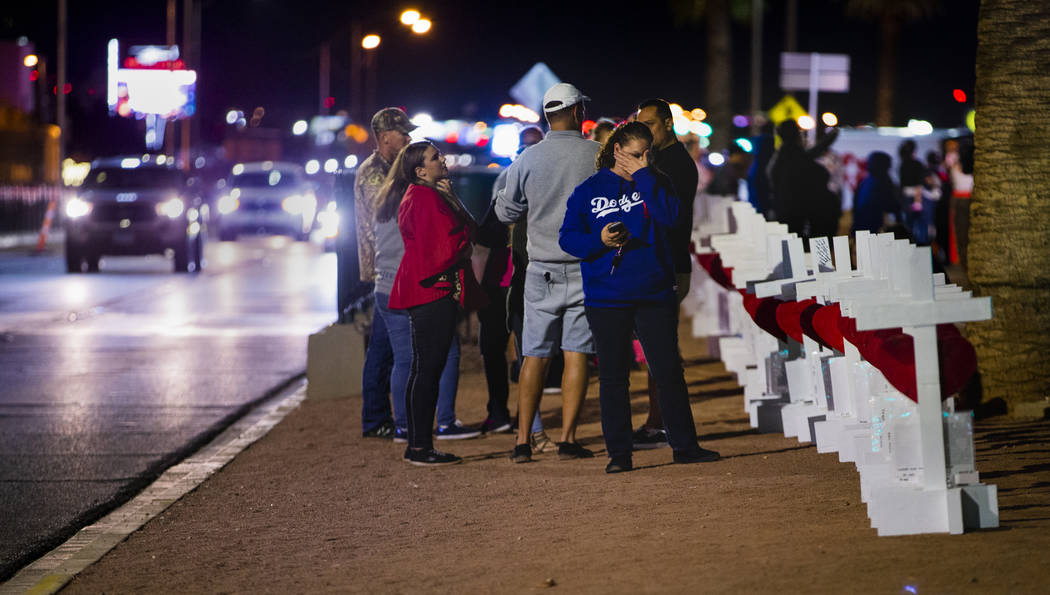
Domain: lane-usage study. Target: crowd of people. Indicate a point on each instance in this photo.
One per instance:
(584, 259)
(587, 254)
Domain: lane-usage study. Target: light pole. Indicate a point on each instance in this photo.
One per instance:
(363, 104)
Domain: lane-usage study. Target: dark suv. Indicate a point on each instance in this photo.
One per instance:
(134, 206)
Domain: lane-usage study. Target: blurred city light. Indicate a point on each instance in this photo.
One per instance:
(806, 122)
(232, 116)
(410, 16)
(200, 162)
(681, 126)
(331, 165)
(162, 159)
(744, 144)
(465, 160)
(829, 119)
(238, 169)
(518, 112)
(130, 162)
(74, 173)
(350, 162)
(77, 208)
(741, 121)
(300, 127)
(971, 120)
(370, 42)
(958, 94)
(716, 159)
(228, 204)
(676, 110)
(421, 26)
(698, 114)
(30, 60)
(920, 127)
(703, 129)
(173, 208)
(313, 166)
(505, 140)
(422, 119)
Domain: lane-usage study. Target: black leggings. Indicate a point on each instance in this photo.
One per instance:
(656, 326)
(433, 327)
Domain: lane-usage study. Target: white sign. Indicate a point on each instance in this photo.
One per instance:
(829, 71)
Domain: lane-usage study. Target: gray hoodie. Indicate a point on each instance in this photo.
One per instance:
(539, 183)
(390, 248)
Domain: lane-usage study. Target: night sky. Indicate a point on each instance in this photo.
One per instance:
(265, 53)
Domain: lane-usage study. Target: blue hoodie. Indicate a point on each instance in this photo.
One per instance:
(646, 270)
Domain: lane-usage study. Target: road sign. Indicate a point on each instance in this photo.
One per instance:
(831, 72)
(530, 89)
(814, 73)
(786, 109)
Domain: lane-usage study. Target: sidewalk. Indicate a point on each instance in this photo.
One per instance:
(313, 507)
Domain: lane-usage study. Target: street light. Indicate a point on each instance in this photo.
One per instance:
(30, 60)
(370, 42)
(421, 26)
(410, 16)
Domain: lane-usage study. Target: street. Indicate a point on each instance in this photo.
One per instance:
(109, 378)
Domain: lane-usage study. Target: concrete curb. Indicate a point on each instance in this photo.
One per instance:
(55, 569)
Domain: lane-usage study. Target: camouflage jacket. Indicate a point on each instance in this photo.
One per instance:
(370, 176)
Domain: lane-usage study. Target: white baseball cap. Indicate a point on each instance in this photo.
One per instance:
(561, 96)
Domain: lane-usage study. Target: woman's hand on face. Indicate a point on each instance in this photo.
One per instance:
(445, 186)
(629, 163)
(614, 239)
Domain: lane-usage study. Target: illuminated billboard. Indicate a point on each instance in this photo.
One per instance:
(151, 81)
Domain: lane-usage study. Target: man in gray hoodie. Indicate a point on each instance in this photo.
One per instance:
(538, 185)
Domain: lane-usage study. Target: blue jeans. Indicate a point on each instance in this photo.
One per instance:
(397, 325)
(375, 377)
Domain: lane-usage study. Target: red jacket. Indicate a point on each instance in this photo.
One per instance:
(437, 252)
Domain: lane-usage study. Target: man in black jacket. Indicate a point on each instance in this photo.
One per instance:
(671, 158)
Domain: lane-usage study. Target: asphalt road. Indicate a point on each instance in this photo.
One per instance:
(107, 379)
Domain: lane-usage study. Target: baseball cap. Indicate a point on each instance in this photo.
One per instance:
(561, 96)
(391, 118)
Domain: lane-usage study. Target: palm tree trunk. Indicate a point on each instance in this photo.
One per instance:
(890, 32)
(719, 63)
(1010, 224)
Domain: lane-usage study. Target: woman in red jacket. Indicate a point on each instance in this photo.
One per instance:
(434, 280)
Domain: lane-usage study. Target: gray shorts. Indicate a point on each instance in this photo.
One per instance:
(554, 315)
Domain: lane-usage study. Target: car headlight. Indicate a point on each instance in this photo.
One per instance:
(173, 208)
(294, 204)
(77, 207)
(328, 220)
(228, 204)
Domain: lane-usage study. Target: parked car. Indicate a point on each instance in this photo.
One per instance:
(135, 206)
(267, 197)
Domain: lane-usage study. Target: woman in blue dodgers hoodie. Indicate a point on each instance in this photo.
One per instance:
(618, 222)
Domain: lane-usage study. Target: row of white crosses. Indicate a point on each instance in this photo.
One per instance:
(909, 481)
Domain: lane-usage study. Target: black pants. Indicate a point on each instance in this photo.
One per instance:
(656, 326)
(433, 327)
(492, 339)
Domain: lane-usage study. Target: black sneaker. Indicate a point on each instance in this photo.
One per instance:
(428, 457)
(573, 450)
(385, 430)
(494, 426)
(522, 453)
(699, 455)
(619, 465)
(645, 438)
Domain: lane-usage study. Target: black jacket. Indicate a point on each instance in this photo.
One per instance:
(675, 163)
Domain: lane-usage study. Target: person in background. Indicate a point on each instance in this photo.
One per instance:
(918, 212)
(758, 190)
(938, 181)
(960, 171)
(602, 130)
(493, 319)
(538, 184)
(801, 198)
(618, 222)
(669, 157)
(390, 127)
(876, 197)
(433, 284)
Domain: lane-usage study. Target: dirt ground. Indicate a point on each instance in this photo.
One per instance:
(313, 507)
